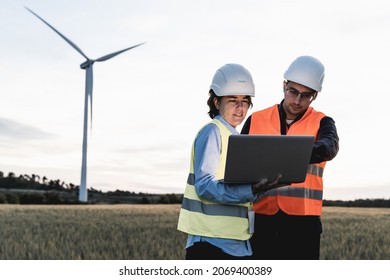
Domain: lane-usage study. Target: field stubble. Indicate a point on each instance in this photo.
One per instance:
(148, 232)
(355, 233)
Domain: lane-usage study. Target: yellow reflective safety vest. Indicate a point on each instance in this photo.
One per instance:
(296, 199)
(202, 217)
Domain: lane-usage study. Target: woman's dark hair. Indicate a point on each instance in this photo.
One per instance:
(213, 110)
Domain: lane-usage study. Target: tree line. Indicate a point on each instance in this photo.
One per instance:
(35, 189)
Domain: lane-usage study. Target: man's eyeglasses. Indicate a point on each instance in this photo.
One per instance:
(304, 96)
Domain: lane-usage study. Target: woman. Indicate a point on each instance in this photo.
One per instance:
(218, 216)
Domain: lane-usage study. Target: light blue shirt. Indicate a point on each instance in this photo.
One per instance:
(207, 154)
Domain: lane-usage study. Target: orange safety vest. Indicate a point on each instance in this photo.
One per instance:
(295, 199)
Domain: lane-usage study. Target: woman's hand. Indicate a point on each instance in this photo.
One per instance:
(263, 185)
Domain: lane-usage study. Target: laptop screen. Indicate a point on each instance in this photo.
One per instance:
(251, 158)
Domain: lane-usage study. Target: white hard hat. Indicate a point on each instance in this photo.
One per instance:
(307, 71)
(232, 79)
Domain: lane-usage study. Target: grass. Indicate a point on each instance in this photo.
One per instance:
(90, 232)
(148, 232)
(356, 234)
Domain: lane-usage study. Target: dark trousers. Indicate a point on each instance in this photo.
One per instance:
(285, 237)
(206, 251)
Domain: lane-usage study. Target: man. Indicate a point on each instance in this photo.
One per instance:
(288, 219)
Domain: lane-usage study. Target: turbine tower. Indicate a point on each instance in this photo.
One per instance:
(87, 65)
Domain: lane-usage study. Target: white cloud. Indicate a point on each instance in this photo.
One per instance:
(18, 132)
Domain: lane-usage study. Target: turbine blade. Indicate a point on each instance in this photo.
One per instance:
(89, 86)
(63, 37)
(111, 55)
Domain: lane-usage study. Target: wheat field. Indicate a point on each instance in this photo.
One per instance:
(148, 232)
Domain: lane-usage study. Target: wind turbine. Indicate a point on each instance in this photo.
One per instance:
(87, 65)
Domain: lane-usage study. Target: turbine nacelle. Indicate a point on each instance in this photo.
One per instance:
(87, 63)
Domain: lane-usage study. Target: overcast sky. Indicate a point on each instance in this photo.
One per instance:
(149, 102)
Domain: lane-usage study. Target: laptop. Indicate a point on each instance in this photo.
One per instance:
(251, 158)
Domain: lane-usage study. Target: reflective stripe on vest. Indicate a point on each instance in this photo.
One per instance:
(295, 192)
(297, 199)
(315, 170)
(215, 209)
(207, 218)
